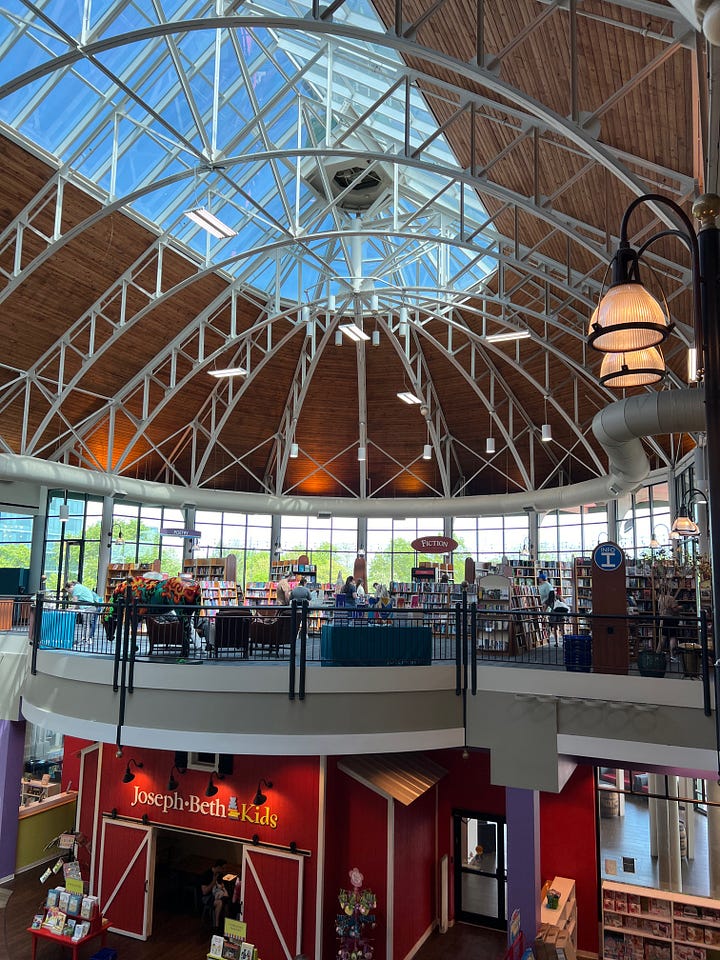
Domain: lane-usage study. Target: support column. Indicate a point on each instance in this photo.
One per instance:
(653, 813)
(12, 748)
(685, 786)
(274, 539)
(37, 545)
(662, 835)
(674, 836)
(522, 810)
(188, 544)
(105, 548)
(713, 828)
(620, 784)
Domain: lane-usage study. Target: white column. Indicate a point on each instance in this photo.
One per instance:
(620, 784)
(104, 548)
(685, 785)
(674, 836)
(713, 828)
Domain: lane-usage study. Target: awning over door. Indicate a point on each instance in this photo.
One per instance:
(402, 776)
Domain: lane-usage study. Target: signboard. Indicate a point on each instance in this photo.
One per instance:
(608, 556)
(180, 532)
(437, 544)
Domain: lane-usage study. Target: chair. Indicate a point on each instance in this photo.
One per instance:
(271, 632)
(233, 630)
(167, 632)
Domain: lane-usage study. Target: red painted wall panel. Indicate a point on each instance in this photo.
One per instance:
(71, 761)
(568, 847)
(415, 875)
(292, 806)
(125, 849)
(268, 873)
(356, 836)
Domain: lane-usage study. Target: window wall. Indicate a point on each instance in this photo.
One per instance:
(331, 544)
(642, 514)
(489, 539)
(571, 532)
(137, 539)
(389, 554)
(72, 547)
(15, 539)
(247, 535)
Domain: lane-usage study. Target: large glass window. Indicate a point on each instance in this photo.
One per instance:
(390, 555)
(644, 520)
(72, 546)
(247, 535)
(137, 538)
(571, 532)
(331, 544)
(486, 540)
(15, 540)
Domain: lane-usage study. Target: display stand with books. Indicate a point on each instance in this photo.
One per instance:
(69, 918)
(232, 945)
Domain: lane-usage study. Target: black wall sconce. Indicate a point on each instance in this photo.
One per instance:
(211, 789)
(259, 799)
(129, 776)
(172, 782)
(145, 820)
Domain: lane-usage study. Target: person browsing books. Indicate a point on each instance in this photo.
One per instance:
(301, 591)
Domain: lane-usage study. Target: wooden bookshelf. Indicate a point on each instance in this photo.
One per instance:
(292, 570)
(212, 568)
(495, 635)
(218, 593)
(117, 573)
(531, 626)
(582, 575)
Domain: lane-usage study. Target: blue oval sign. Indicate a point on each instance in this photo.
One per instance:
(608, 556)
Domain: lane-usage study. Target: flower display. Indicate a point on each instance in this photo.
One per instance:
(355, 920)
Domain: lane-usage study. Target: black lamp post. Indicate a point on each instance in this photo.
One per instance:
(629, 321)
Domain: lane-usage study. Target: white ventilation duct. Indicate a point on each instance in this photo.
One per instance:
(618, 428)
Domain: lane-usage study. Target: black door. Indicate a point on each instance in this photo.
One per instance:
(479, 842)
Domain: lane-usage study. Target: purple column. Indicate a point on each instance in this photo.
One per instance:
(522, 810)
(12, 747)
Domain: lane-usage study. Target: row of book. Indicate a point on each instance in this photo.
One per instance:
(73, 904)
(59, 923)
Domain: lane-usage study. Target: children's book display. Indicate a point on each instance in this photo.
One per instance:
(232, 945)
(68, 914)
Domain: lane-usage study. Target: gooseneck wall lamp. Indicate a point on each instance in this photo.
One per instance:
(129, 776)
(211, 789)
(259, 799)
(628, 321)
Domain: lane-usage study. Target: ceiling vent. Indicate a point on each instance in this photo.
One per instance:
(368, 187)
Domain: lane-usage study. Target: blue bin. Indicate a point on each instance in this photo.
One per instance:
(577, 652)
(106, 953)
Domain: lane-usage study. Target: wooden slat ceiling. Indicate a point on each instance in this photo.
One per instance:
(402, 776)
(653, 119)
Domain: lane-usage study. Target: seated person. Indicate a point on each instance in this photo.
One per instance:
(214, 893)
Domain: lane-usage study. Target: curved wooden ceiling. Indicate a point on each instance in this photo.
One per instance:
(559, 113)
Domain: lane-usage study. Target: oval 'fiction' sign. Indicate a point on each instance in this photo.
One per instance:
(434, 545)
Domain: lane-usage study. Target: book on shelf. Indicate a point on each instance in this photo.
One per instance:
(82, 929)
(37, 921)
(216, 946)
(54, 920)
(69, 927)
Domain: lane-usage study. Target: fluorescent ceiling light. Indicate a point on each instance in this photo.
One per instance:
(353, 332)
(408, 397)
(203, 218)
(509, 335)
(228, 372)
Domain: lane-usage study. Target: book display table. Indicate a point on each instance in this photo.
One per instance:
(375, 646)
(74, 945)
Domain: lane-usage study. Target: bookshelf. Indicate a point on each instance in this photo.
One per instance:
(561, 576)
(564, 916)
(494, 635)
(582, 574)
(118, 573)
(259, 592)
(531, 627)
(218, 593)
(32, 790)
(292, 570)
(212, 568)
(639, 923)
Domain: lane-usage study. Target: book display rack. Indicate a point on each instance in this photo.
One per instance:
(69, 919)
(644, 924)
(495, 635)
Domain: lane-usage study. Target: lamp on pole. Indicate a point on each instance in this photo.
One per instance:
(629, 321)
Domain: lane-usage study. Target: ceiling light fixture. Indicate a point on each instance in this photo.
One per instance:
(508, 335)
(376, 338)
(294, 450)
(338, 338)
(636, 369)
(362, 453)
(208, 221)
(427, 451)
(353, 332)
(259, 799)
(546, 432)
(64, 513)
(228, 372)
(490, 445)
(408, 397)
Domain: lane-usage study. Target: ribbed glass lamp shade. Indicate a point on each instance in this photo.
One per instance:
(490, 445)
(627, 319)
(636, 369)
(685, 527)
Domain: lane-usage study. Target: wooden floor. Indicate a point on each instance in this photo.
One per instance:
(179, 935)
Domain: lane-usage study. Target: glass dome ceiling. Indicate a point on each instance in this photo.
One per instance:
(294, 138)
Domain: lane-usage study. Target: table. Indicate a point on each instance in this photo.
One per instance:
(375, 645)
(42, 934)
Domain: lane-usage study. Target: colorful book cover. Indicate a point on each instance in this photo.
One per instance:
(37, 921)
(82, 929)
(63, 900)
(69, 927)
(88, 908)
(231, 951)
(74, 904)
(52, 897)
(216, 946)
(55, 920)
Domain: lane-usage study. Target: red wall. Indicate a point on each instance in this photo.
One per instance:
(568, 848)
(356, 836)
(415, 875)
(293, 799)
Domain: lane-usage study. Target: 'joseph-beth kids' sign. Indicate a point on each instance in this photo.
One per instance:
(246, 812)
